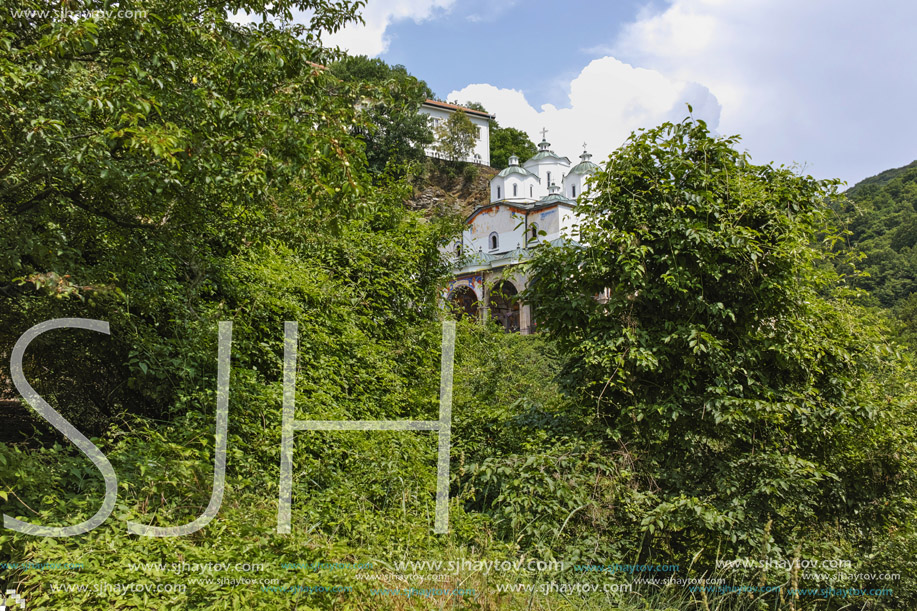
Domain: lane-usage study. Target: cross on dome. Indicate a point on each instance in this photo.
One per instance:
(544, 145)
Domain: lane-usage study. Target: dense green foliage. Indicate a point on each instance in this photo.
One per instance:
(391, 99)
(508, 141)
(140, 158)
(168, 174)
(721, 358)
(906, 315)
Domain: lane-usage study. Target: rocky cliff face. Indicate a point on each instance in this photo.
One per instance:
(444, 188)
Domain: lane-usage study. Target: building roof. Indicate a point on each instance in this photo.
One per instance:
(546, 202)
(585, 166)
(482, 261)
(516, 169)
(545, 152)
(554, 198)
(547, 155)
(453, 107)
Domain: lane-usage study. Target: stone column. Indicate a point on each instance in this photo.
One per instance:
(485, 302)
(525, 318)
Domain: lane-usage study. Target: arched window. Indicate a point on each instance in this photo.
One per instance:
(530, 191)
(458, 250)
(494, 241)
(515, 188)
(574, 190)
(549, 179)
(498, 192)
(533, 232)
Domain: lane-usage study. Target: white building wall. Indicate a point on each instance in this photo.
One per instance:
(542, 169)
(548, 220)
(525, 188)
(569, 224)
(573, 185)
(482, 146)
(511, 227)
(507, 223)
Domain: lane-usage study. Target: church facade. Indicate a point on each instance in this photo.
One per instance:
(531, 204)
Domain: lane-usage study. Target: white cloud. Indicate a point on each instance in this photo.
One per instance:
(370, 39)
(608, 100)
(487, 12)
(825, 83)
(821, 82)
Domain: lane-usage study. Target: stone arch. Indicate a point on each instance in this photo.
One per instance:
(464, 302)
(504, 305)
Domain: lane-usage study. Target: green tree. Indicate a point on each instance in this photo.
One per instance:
(169, 172)
(475, 106)
(507, 141)
(455, 137)
(139, 156)
(906, 315)
(395, 132)
(717, 353)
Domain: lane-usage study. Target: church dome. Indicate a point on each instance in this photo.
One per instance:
(554, 197)
(585, 166)
(515, 168)
(545, 152)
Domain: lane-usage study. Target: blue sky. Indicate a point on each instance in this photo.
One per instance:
(536, 47)
(830, 85)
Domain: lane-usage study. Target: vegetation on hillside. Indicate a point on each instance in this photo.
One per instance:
(881, 215)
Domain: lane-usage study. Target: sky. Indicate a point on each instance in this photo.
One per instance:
(828, 86)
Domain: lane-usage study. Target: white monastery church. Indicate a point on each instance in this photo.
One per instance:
(530, 204)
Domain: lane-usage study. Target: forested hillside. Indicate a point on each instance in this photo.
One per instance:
(882, 218)
(881, 214)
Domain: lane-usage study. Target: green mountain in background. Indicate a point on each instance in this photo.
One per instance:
(881, 214)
